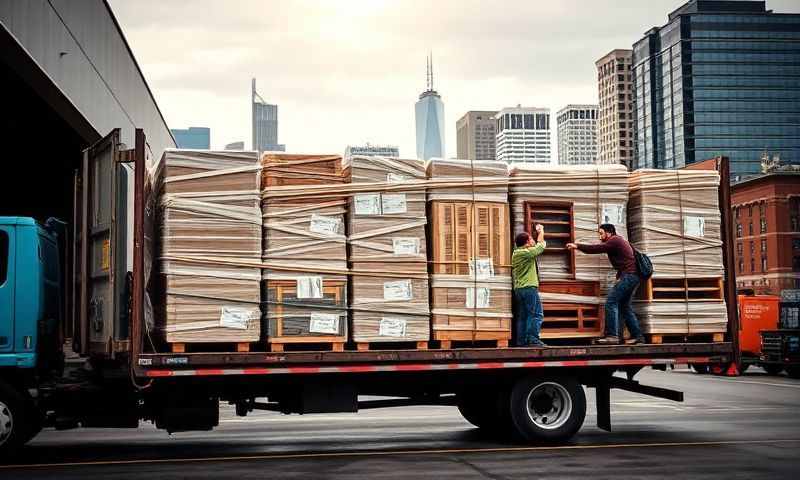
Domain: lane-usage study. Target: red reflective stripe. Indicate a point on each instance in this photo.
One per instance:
(303, 369)
(492, 365)
(256, 371)
(159, 373)
(413, 367)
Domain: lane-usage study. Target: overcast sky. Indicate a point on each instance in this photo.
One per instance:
(349, 71)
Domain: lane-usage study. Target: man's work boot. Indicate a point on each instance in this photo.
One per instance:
(607, 340)
(635, 341)
(535, 342)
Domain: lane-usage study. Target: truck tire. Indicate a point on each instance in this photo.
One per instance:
(772, 368)
(486, 410)
(700, 368)
(12, 421)
(547, 409)
(793, 371)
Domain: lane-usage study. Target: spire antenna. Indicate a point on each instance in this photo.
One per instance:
(431, 85)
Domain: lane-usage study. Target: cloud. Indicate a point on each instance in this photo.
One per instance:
(350, 71)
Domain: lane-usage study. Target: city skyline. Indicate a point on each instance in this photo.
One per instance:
(328, 79)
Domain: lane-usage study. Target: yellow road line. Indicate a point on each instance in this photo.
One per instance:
(289, 456)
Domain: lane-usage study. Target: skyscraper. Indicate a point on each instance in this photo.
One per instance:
(429, 116)
(475, 136)
(372, 150)
(720, 78)
(577, 135)
(523, 135)
(615, 140)
(265, 124)
(192, 137)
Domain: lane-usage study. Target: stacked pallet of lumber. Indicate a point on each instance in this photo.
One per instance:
(675, 219)
(570, 202)
(304, 249)
(471, 251)
(387, 251)
(210, 223)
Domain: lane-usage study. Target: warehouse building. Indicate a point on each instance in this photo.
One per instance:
(68, 78)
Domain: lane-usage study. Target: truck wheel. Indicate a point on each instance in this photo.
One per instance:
(700, 368)
(772, 368)
(793, 371)
(548, 409)
(12, 420)
(486, 410)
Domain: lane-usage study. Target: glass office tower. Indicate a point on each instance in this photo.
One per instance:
(721, 77)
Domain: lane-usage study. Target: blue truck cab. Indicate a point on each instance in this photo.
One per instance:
(30, 291)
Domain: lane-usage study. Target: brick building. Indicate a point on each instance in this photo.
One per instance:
(766, 211)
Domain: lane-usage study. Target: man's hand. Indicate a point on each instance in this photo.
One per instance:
(571, 246)
(539, 228)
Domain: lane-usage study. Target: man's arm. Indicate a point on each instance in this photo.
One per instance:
(594, 248)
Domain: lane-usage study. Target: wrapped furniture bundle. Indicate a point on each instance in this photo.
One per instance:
(210, 246)
(304, 249)
(570, 202)
(471, 250)
(388, 253)
(675, 219)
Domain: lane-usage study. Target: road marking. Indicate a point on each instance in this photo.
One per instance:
(290, 456)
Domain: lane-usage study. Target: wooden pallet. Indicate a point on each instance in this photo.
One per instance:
(365, 346)
(471, 339)
(307, 343)
(683, 289)
(572, 320)
(239, 347)
(659, 338)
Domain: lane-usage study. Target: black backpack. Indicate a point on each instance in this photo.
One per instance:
(643, 264)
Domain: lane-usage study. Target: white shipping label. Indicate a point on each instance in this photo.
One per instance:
(324, 323)
(482, 268)
(236, 317)
(613, 213)
(405, 246)
(694, 226)
(397, 290)
(309, 287)
(482, 300)
(393, 203)
(396, 177)
(324, 225)
(368, 204)
(392, 327)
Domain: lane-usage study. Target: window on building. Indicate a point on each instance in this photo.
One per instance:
(741, 265)
(739, 248)
(763, 263)
(796, 263)
(750, 210)
(763, 245)
(762, 208)
(763, 225)
(750, 229)
(752, 248)
(752, 265)
(796, 243)
(736, 212)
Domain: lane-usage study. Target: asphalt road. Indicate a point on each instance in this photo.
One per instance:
(746, 427)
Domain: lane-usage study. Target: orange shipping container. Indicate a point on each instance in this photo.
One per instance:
(755, 314)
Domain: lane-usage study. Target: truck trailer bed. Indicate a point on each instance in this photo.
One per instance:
(154, 365)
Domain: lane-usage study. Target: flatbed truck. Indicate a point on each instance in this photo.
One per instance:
(75, 349)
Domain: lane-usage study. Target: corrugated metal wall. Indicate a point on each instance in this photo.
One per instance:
(80, 47)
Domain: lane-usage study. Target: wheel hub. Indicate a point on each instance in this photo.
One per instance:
(6, 423)
(549, 405)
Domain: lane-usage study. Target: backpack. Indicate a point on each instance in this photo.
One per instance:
(643, 264)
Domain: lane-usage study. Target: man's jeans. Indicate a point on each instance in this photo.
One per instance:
(528, 315)
(619, 298)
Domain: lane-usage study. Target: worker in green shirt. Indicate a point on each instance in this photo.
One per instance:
(528, 313)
